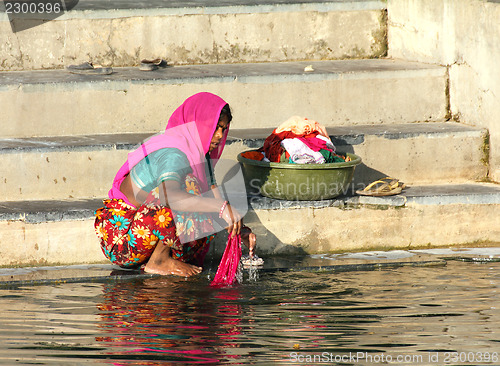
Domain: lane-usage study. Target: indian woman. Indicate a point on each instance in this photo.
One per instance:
(163, 201)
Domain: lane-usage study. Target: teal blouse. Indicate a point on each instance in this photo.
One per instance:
(161, 165)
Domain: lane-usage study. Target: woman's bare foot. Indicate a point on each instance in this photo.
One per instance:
(162, 263)
(249, 239)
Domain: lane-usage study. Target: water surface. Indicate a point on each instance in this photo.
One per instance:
(409, 315)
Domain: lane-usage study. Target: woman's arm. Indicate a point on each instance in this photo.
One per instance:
(178, 199)
(215, 192)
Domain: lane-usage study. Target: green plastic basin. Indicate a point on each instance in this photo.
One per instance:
(298, 182)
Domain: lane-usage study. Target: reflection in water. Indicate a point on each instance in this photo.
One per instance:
(170, 318)
(424, 316)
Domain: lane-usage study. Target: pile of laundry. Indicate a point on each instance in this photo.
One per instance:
(298, 140)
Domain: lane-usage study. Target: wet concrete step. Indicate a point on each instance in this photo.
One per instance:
(61, 232)
(84, 166)
(339, 92)
(122, 32)
(13, 278)
(335, 263)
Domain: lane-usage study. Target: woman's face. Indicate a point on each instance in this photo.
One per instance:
(222, 126)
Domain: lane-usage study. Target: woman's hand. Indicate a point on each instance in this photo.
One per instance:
(235, 222)
(233, 219)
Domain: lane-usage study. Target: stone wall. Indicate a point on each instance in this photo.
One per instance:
(464, 35)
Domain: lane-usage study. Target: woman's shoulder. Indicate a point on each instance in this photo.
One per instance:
(169, 150)
(169, 159)
(164, 158)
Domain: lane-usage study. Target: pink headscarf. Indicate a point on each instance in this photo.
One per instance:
(189, 129)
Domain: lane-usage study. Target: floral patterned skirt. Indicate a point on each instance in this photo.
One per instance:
(128, 235)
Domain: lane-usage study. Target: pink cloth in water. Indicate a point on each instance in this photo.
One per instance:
(228, 266)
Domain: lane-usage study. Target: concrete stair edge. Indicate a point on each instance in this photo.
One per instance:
(59, 167)
(345, 69)
(470, 193)
(132, 31)
(382, 88)
(423, 216)
(104, 10)
(340, 135)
